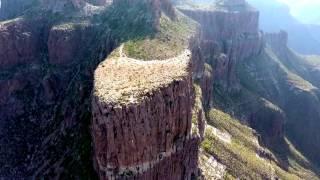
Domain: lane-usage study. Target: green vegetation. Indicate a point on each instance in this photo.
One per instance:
(240, 156)
(127, 21)
(272, 86)
(169, 41)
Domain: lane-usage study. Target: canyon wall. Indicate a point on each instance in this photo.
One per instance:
(144, 132)
(46, 77)
(45, 84)
(229, 35)
(19, 42)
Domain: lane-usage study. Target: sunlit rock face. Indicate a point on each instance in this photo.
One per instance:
(229, 35)
(141, 124)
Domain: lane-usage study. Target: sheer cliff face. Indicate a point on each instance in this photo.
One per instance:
(46, 77)
(19, 42)
(298, 95)
(228, 36)
(144, 134)
(274, 90)
(45, 84)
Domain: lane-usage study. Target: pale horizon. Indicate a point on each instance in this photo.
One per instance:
(306, 11)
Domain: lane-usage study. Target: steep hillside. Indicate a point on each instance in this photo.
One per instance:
(237, 148)
(261, 83)
(289, 83)
(142, 89)
(47, 74)
(47, 59)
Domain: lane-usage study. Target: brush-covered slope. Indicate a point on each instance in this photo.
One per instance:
(236, 148)
(279, 99)
(254, 79)
(291, 82)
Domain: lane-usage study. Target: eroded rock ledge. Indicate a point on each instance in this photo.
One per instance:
(142, 119)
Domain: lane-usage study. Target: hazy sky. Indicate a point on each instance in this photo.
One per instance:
(305, 10)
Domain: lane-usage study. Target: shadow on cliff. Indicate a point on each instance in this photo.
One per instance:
(47, 112)
(269, 124)
(117, 24)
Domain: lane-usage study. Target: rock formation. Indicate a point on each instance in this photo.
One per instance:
(228, 37)
(142, 119)
(146, 118)
(44, 93)
(277, 41)
(19, 42)
(66, 42)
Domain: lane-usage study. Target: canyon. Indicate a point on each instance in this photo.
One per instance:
(129, 89)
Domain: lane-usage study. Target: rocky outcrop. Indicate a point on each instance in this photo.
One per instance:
(168, 8)
(202, 72)
(229, 36)
(280, 39)
(269, 121)
(141, 123)
(67, 42)
(278, 42)
(19, 42)
(44, 104)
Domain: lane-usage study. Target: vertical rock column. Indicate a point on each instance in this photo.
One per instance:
(142, 119)
(229, 35)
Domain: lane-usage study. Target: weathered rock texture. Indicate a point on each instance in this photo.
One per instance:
(228, 36)
(142, 122)
(19, 42)
(44, 109)
(46, 77)
(202, 72)
(269, 121)
(67, 42)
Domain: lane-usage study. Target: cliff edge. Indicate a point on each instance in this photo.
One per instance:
(141, 123)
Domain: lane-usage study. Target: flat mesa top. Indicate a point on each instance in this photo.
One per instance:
(122, 80)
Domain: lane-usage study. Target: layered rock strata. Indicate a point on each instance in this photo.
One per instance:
(141, 123)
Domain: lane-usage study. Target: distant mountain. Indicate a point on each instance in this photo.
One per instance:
(275, 16)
